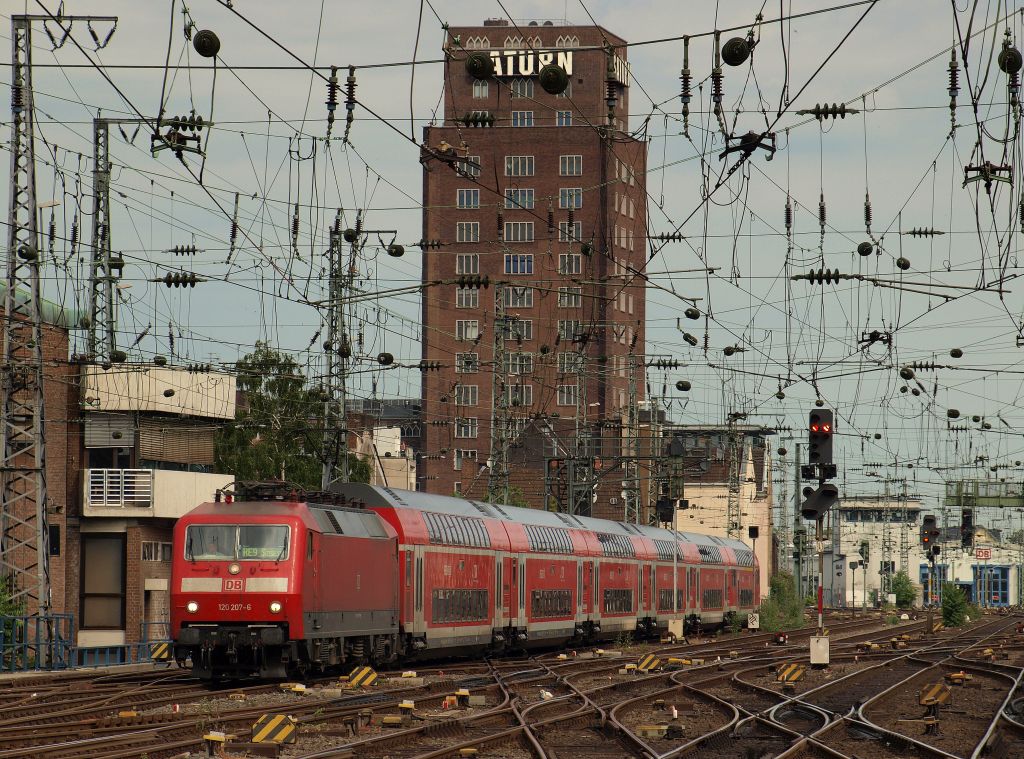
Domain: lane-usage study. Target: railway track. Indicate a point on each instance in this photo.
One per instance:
(547, 707)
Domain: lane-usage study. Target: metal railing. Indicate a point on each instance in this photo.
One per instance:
(119, 487)
(37, 643)
(31, 643)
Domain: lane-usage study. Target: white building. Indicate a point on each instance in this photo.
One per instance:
(989, 571)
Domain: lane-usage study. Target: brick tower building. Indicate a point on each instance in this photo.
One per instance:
(535, 380)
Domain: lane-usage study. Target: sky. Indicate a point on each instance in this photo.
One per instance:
(886, 59)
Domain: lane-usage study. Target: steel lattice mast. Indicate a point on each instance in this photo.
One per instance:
(24, 554)
(23, 533)
(336, 353)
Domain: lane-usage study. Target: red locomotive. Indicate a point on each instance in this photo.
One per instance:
(268, 582)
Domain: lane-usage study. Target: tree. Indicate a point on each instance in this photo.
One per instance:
(782, 609)
(278, 427)
(954, 605)
(903, 587)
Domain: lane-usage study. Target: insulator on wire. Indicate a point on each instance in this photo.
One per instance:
(717, 92)
(337, 222)
(180, 279)
(826, 111)
(924, 232)
(821, 276)
(51, 234)
(822, 215)
(669, 237)
(350, 100)
(611, 88)
(183, 250)
(501, 226)
(73, 243)
(425, 244)
(572, 217)
(17, 98)
(295, 229)
(867, 213)
(788, 215)
(1020, 211)
(332, 99)
(551, 220)
(686, 83)
(954, 85)
(233, 234)
(923, 366)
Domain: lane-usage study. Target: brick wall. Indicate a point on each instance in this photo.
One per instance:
(611, 308)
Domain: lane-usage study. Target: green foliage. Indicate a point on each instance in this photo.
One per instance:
(954, 605)
(892, 619)
(735, 623)
(783, 609)
(516, 497)
(904, 589)
(8, 606)
(278, 427)
(624, 639)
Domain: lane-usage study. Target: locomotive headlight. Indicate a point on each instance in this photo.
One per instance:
(192, 607)
(275, 607)
(234, 569)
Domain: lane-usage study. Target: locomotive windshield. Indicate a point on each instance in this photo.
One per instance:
(229, 542)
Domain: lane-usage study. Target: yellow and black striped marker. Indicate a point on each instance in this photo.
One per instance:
(274, 728)
(790, 673)
(934, 693)
(362, 677)
(936, 626)
(648, 663)
(160, 651)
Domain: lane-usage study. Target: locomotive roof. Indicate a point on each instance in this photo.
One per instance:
(375, 495)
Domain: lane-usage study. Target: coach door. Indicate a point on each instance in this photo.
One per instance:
(500, 592)
(588, 585)
(510, 588)
(313, 562)
(693, 585)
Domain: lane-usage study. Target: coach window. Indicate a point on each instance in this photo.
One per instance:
(309, 545)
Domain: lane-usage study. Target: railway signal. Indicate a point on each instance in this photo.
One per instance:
(817, 501)
(820, 428)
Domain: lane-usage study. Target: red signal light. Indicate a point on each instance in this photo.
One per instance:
(826, 428)
(815, 427)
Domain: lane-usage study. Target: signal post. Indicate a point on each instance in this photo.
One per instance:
(817, 502)
(929, 541)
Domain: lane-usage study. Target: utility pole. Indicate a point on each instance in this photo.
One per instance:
(885, 584)
(737, 451)
(498, 473)
(798, 530)
(904, 526)
(104, 268)
(581, 464)
(24, 550)
(631, 481)
(337, 352)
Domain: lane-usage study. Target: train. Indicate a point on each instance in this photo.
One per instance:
(271, 582)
